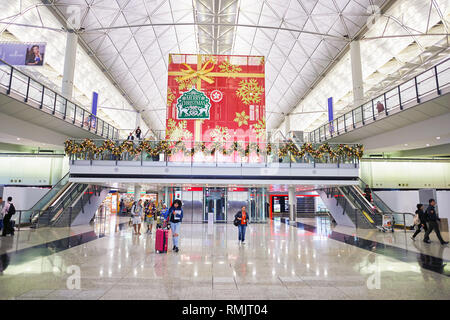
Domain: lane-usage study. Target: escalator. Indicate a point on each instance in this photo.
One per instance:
(401, 219)
(348, 209)
(52, 194)
(349, 206)
(63, 203)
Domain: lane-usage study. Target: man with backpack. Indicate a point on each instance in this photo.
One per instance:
(420, 220)
(8, 211)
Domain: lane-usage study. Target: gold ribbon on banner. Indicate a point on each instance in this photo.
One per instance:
(200, 74)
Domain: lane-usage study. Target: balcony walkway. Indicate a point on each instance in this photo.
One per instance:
(420, 98)
(25, 101)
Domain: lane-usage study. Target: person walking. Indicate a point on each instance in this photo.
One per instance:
(175, 217)
(8, 211)
(422, 221)
(149, 216)
(121, 205)
(136, 211)
(242, 217)
(432, 219)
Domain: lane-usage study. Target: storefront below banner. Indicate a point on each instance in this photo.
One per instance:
(200, 204)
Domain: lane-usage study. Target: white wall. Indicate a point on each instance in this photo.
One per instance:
(35, 171)
(24, 197)
(406, 174)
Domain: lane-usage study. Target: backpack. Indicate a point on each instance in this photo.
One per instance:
(236, 222)
(11, 210)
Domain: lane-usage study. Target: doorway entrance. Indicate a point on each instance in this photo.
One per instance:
(215, 203)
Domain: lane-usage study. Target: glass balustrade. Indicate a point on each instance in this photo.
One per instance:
(405, 95)
(207, 152)
(14, 81)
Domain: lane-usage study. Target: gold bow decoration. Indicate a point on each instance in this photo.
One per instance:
(190, 73)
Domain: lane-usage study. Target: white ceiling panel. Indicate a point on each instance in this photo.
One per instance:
(300, 39)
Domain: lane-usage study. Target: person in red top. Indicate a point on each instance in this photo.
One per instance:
(242, 216)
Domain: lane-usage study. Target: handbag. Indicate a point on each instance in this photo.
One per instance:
(236, 222)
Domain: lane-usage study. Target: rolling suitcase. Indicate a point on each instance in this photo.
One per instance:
(162, 239)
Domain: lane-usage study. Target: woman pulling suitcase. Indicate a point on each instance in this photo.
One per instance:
(175, 218)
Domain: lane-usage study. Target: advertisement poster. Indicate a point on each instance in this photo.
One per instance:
(216, 99)
(23, 54)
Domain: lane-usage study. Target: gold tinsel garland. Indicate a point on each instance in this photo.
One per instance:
(169, 148)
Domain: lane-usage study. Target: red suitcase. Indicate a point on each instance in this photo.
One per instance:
(162, 239)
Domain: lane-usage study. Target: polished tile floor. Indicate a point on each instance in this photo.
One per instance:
(278, 262)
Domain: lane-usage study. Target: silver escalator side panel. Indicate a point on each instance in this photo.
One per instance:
(336, 211)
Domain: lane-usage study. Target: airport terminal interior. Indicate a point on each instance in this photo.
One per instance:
(224, 149)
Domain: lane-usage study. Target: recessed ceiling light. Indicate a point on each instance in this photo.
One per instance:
(428, 144)
(406, 144)
(18, 139)
(438, 138)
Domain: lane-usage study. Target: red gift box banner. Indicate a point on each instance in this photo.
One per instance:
(215, 98)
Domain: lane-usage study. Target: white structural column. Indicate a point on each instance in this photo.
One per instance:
(69, 64)
(357, 78)
(292, 205)
(138, 121)
(166, 196)
(137, 192)
(263, 215)
(287, 125)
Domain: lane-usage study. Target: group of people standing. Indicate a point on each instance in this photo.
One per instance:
(137, 132)
(428, 221)
(149, 211)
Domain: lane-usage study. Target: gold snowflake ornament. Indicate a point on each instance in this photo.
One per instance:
(227, 67)
(250, 91)
(241, 118)
(260, 127)
(177, 131)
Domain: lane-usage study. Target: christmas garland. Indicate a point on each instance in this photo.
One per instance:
(153, 148)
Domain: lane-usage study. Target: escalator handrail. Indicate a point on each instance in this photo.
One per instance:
(362, 201)
(60, 206)
(67, 194)
(47, 193)
(364, 206)
(378, 197)
(75, 200)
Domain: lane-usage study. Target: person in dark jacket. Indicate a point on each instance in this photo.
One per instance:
(8, 211)
(138, 133)
(242, 217)
(175, 217)
(422, 221)
(432, 220)
(368, 193)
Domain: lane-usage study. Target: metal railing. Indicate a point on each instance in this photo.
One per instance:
(212, 152)
(40, 96)
(397, 99)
